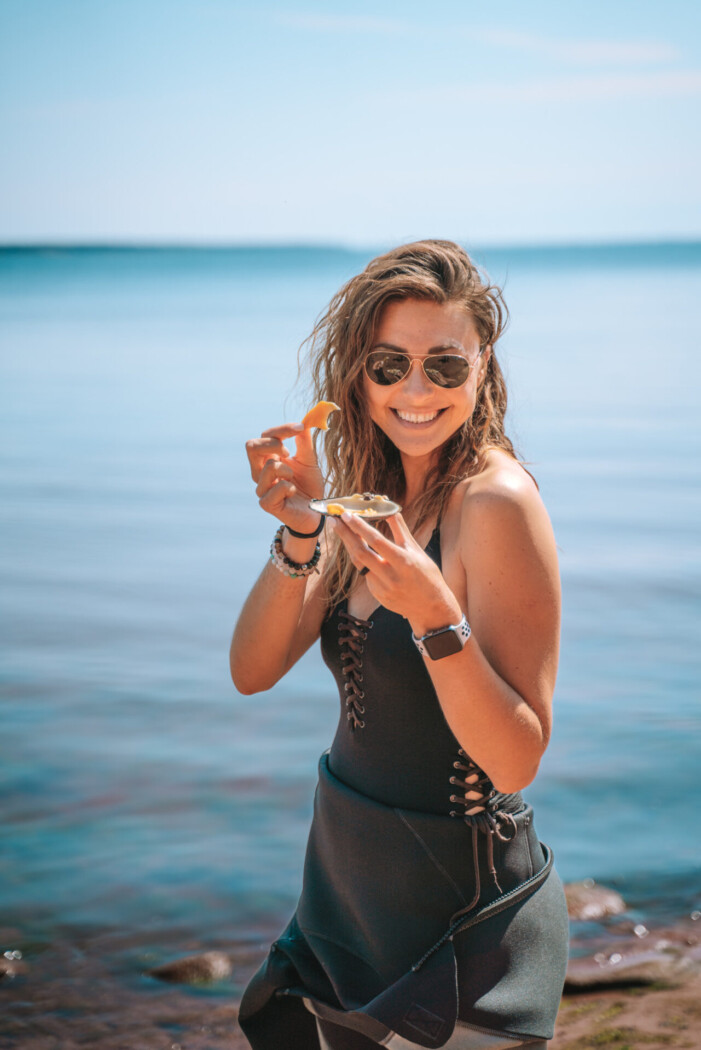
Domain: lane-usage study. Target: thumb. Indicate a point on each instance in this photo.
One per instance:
(304, 445)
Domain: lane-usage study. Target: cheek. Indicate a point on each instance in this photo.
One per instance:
(468, 402)
(373, 398)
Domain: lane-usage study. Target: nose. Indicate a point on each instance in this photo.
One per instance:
(417, 382)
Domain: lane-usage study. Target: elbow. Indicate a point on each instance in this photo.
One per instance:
(511, 781)
(244, 688)
(521, 767)
(248, 687)
(252, 669)
(247, 683)
(241, 683)
(517, 774)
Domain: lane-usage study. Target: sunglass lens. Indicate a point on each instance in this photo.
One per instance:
(386, 368)
(447, 370)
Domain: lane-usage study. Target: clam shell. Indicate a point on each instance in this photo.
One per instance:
(370, 506)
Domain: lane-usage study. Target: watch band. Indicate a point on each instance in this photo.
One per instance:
(445, 641)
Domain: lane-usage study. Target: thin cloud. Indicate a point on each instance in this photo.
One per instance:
(602, 87)
(584, 52)
(344, 23)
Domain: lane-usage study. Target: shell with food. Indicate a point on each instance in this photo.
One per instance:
(368, 505)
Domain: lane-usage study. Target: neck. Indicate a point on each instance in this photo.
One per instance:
(416, 470)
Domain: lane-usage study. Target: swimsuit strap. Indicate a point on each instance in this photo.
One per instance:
(433, 547)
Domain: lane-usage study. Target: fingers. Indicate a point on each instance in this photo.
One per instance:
(400, 530)
(363, 556)
(385, 547)
(260, 450)
(270, 446)
(272, 472)
(369, 550)
(273, 501)
(266, 446)
(286, 430)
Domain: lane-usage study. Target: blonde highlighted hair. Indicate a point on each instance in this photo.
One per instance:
(359, 456)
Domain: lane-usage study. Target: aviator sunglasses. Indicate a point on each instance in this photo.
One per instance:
(387, 367)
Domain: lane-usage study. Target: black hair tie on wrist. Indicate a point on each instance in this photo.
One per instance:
(307, 535)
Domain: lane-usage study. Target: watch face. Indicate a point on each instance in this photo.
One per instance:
(445, 643)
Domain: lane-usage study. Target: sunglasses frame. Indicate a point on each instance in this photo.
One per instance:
(411, 358)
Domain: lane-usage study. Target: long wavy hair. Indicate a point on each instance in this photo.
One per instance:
(359, 456)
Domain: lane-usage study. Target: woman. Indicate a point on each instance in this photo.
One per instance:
(430, 914)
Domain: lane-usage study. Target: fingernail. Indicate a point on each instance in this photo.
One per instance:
(298, 426)
(346, 517)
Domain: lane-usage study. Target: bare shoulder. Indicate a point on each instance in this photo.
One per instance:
(502, 504)
(503, 479)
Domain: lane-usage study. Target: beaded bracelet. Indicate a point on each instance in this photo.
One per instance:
(288, 567)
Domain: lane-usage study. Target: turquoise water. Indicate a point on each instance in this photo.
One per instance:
(139, 791)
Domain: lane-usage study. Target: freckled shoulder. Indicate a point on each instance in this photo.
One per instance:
(501, 511)
(501, 503)
(503, 481)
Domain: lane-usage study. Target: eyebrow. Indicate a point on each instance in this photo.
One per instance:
(452, 345)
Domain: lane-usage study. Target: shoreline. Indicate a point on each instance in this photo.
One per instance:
(104, 1017)
(96, 993)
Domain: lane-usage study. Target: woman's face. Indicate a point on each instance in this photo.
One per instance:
(415, 414)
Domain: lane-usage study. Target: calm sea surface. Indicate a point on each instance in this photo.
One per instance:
(139, 790)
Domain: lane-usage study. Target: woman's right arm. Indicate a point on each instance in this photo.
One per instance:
(282, 615)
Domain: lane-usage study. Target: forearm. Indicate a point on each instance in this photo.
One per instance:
(493, 723)
(497, 726)
(269, 622)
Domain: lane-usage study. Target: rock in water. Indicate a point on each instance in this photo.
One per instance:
(590, 902)
(194, 969)
(621, 968)
(11, 964)
(668, 956)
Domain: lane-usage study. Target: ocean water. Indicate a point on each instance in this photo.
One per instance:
(140, 792)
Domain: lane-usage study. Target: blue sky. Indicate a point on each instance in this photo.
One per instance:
(359, 123)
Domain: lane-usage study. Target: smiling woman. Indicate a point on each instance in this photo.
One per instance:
(430, 914)
(419, 408)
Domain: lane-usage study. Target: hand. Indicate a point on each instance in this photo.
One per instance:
(286, 483)
(401, 576)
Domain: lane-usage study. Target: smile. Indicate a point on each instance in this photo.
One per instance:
(417, 417)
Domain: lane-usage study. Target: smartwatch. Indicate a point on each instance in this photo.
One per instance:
(445, 641)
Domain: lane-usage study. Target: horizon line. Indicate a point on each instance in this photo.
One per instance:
(337, 246)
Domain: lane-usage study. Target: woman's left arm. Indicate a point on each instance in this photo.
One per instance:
(496, 693)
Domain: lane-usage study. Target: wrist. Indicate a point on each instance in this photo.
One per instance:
(308, 534)
(435, 617)
(447, 641)
(289, 566)
(297, 549)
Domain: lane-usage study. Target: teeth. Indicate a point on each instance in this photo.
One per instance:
(415, 417)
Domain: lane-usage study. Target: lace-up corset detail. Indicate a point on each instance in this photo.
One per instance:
(477, 786)
(353, 632)
(480, 811)
(478, 801)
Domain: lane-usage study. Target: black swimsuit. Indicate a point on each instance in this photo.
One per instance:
(430, 913)
(399, 750)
